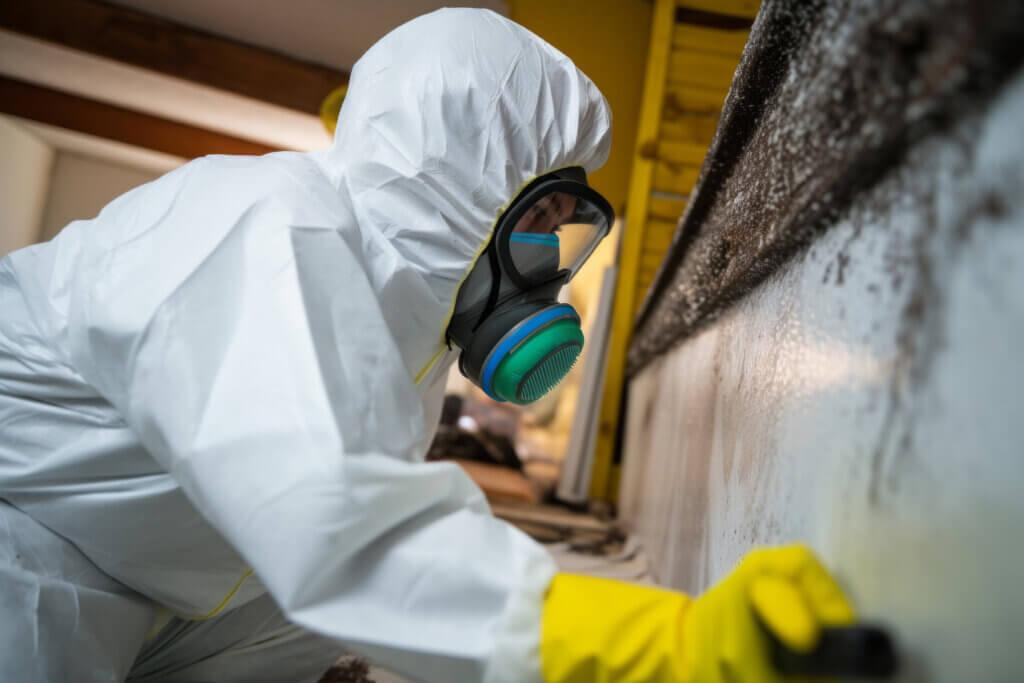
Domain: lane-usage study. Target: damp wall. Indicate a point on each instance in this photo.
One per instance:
(866, 399)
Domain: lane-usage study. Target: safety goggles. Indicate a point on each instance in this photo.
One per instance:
(551, 229)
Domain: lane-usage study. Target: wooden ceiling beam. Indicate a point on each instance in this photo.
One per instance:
(163, 46)
(29, 101)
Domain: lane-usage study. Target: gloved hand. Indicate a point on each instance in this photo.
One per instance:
(602, 631)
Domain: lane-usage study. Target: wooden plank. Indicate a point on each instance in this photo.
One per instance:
(658, 226)
(690, 37)
(551, 516)
(669, 210)
(680, 152)
(679, 178)
(615, 481)
(647, 277)
(601, 486)
(159, 45)
(736, 8)
(686, 99)
(499, 483)
(650, 259)
(696, 129)
(702, 69)
(690, 114)
(641, 294)
(55, 108)
(675, 152)
(658, 240)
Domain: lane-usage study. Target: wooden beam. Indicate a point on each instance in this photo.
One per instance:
(723, 14)
(55, 108)
(682, 152)
(704, 70)
(675, 178)
(499, 483)
(159, 45)
(668, 209)
(690, 37)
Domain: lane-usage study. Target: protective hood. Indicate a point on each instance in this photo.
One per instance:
(446, 118)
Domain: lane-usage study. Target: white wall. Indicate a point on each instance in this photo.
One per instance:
(25, 163)
(80, 186)
(51, 176)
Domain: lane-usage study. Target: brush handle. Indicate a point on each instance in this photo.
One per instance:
(864, 651)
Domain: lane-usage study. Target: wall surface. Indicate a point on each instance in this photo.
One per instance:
(82, 185)
(24, 177)
(865, 398)
(51, 176)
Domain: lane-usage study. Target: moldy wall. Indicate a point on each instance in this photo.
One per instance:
(859, 389)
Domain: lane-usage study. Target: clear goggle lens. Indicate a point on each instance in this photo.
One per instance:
(557, 233)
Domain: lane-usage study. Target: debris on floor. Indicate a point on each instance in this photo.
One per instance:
(348, 670)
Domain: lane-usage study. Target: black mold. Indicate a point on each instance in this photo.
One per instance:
(829, 96)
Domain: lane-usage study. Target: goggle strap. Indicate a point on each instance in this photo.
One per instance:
(492, 296)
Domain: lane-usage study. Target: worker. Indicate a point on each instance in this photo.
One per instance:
(215, 398)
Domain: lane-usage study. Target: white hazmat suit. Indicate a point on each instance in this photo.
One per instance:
(222, 387)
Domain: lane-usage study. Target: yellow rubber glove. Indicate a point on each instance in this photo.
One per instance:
(602, 631)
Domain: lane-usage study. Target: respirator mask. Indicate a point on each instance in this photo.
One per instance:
(517, 340)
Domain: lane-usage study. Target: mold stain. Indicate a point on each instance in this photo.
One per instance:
(829, 97)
